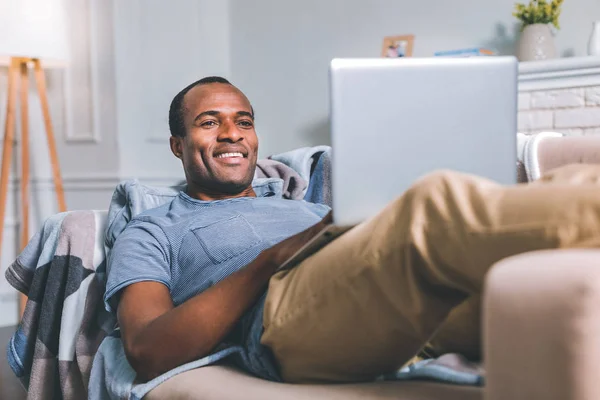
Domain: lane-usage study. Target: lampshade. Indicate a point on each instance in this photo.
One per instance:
(35, 29)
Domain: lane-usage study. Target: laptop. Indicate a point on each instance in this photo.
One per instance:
(395, 120)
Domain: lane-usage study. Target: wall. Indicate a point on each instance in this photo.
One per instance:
(573, 111)
(161, 47)
(280, 50)
(82, 105)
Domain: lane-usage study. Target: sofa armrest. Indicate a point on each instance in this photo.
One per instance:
(557, 152)
(541, 326)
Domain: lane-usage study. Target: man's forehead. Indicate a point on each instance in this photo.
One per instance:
(216, 95)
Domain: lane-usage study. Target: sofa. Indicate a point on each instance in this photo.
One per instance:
(540, 325)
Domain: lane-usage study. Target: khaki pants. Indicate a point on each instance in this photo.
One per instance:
(369, 301)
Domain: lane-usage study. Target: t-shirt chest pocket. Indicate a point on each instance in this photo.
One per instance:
(226, 239)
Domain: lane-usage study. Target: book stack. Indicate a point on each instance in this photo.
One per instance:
(470, 52)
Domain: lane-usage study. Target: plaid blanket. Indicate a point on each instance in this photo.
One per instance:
(61, 271)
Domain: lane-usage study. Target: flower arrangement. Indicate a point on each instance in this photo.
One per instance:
(539, 12)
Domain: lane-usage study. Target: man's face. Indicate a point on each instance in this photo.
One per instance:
(219, 150)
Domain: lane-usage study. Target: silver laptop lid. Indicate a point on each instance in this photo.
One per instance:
(395, 120)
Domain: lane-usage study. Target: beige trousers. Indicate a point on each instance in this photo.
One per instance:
(369, 301)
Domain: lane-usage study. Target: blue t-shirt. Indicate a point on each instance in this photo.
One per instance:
(189, 245)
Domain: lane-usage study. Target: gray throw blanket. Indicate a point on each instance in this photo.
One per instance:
(294, 186)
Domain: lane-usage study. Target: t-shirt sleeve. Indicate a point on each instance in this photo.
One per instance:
(139, 254)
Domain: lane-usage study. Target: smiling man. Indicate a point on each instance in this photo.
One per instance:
(164, 267)
(196, 279)
(218, 146)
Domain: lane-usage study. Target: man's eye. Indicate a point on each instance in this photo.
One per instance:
(208, 123)
(246, 124)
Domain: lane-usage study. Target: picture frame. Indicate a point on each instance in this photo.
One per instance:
(398, 46)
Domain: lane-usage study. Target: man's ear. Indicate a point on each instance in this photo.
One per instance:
(176, 143)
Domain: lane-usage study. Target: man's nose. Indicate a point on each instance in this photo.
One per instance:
(230, 133)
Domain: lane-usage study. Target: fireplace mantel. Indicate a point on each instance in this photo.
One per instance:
(560, 73)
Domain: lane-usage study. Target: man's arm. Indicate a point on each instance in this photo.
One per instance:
(158, 336)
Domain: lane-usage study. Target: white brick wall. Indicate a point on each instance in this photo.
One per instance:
(592, 96)
(591, 131)
(572, 131)
(588, 117)
(535, 120)
(574, 111)
(558, 98)
(524, 101)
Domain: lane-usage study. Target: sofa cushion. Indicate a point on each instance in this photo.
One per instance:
(225, 383)
(541, 325)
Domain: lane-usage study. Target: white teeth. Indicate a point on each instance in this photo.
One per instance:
(227, 155)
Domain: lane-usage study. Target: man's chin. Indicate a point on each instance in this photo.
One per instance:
(234, 187)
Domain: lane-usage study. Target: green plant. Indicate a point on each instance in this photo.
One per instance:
(539, 12)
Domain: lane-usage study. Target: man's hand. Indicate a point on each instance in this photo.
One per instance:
(282, 251)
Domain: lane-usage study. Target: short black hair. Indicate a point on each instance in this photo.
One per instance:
(176, 125)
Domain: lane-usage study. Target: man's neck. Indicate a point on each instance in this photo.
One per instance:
(205, 194)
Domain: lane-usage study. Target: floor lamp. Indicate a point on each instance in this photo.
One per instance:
(31, 32)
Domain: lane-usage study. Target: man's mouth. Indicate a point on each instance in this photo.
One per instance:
(230, 155)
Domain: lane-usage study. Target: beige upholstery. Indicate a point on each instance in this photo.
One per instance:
(542, 326)
(541, 330)
(541, 319)
(222, 383)
(555, 152)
